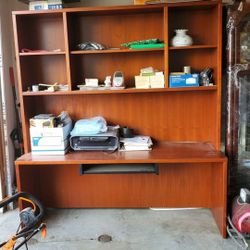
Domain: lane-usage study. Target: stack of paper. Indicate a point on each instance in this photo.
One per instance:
(139, 142)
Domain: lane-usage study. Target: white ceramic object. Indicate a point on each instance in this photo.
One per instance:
(181, 38)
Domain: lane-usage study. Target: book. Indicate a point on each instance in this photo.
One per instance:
(139, 142)
(135, 148)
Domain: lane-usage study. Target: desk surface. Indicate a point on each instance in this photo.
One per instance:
(164, 152)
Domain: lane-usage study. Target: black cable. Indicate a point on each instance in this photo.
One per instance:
(26, 245)
(27, 238)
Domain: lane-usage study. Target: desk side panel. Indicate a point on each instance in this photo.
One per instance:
(219, 195)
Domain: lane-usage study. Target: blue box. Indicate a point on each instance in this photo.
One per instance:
(184, 80)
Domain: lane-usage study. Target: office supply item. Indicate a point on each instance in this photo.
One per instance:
(45, 5)
(142, 82)
(50, 141)
(50, 87)
(136, 143)
(183, 80)
(42, 121)
(106, 141)
(91, 82)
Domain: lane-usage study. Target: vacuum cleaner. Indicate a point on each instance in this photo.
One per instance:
(30, 221)
(239, 224)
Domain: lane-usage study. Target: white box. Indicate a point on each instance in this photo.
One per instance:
(38, 5)
(142, 82)
(157, 81)
(45, 5)
(50, 140)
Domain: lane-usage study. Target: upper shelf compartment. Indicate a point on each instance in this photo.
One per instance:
(113, 28)
(198, 20)
(40, 33)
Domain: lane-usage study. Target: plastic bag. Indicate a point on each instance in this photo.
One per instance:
(94, 125)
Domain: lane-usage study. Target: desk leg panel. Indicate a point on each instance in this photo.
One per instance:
(219, 196)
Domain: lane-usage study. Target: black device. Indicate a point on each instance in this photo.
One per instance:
(107, 141)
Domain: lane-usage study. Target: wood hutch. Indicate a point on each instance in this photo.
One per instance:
(185, 123)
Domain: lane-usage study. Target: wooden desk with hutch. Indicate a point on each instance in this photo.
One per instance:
(184, 122)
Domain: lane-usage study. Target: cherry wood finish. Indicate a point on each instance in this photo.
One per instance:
(190, 175)
(164, 152)
(43, 69)
(36, 32)
(119, 91)
(173, 120)
(82, 67)
(184, 122)
(198, 60)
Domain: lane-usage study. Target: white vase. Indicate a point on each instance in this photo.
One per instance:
(181, 38)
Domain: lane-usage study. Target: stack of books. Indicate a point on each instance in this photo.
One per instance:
(45, 4)
(139, 142)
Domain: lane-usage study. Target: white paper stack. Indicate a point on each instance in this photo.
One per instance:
(139, 142)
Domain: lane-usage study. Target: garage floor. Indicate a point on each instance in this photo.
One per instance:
(137, 229)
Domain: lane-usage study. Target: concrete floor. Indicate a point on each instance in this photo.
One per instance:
(131, 229)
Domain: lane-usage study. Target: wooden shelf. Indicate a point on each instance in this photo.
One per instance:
(164, 152)
(46, 53)
(191, 5)
(201, 88)
(192, 173)
(120, 91)
(109, 51)
(193, 47)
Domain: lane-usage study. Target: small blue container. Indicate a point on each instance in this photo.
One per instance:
(184, 80)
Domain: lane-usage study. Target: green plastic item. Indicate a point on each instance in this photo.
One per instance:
(147, 46)
(147, 41)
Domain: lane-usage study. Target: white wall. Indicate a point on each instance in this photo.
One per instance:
(7, 97)
(8, 60)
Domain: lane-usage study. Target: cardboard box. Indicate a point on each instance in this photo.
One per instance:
(184, 80)
(42, 123)
(157, 81)
(45, 5)
(50, 140)
(142, 82)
